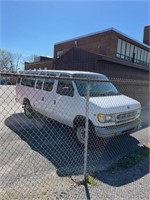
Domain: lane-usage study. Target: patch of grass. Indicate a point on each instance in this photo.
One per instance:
(132, 160)
(91, 181)
(88, 180)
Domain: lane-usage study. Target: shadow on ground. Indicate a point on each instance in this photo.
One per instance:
(124, 176)
(54, 141)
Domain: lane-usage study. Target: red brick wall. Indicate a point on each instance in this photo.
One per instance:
(42, 65)
(101, 43)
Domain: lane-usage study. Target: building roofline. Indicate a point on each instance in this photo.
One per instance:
(98, 32)
(37, 63)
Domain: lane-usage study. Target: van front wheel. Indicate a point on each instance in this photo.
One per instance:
(80, 135)
(28, 110)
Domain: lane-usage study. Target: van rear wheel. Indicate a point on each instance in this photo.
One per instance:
(28, 110)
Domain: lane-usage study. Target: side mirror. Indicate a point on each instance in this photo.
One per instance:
(67, 91)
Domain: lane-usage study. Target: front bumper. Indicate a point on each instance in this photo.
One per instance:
(118, 129)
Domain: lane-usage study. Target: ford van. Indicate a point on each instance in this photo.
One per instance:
(63, 98)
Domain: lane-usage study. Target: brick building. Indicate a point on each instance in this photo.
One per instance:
(111, 53)
(110, 44)
(40, 62)
(99, 51)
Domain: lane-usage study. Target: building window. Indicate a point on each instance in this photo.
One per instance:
(131, 50)
(59, 54)
(128, 51)
(123, 49)
(135, 51)
(148, 57)
(145, 56)
(119, 46)
(139, 54)
(142, 55)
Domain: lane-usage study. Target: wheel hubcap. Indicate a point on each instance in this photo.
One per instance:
(81, 134)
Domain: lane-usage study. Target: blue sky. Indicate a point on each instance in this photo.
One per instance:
(33, 27)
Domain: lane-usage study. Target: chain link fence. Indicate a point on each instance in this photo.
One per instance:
(56, 131)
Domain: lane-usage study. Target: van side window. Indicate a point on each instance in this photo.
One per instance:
(48, 84)
(28, 82)
(18, 80)
(65, 87)
(39, 84)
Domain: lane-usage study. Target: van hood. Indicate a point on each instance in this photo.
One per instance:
(113, 104)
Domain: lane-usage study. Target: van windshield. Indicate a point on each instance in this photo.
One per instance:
(97, 89)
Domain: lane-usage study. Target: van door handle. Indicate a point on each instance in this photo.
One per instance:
(54, 101)
(42, 98)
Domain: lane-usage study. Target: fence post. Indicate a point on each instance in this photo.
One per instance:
(86, 130)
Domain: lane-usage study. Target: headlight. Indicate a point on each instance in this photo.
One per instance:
(104, 118)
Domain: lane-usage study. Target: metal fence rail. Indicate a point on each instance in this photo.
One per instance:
(52, 131)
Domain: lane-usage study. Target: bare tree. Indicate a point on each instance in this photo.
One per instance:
(10, 62)
(30, 58)
(18, 62)
(4, 60)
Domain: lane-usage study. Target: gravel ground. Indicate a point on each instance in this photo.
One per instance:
(131, 183)
(26, 173)
(126, 184)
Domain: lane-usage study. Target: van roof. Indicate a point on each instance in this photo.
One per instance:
(61, 71)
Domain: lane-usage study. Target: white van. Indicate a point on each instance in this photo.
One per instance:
(110, 112)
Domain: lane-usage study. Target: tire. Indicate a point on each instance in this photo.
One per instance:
(28, 110)
(80, 134)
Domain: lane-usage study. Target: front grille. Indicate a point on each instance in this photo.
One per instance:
(126, 116)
